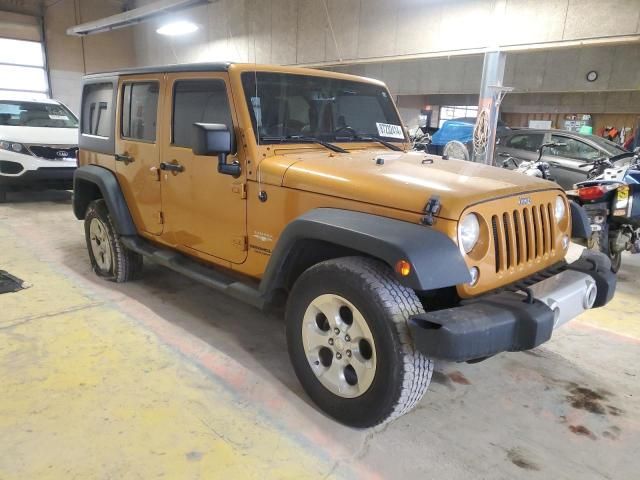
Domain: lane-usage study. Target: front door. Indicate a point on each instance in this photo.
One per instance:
(204, 211)
(567, 160)
(137, 152)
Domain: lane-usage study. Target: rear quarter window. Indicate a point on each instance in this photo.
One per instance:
(97, 106)
(97, 116)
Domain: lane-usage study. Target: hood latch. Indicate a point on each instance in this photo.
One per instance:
(431, 210)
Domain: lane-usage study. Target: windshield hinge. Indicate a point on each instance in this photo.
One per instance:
(431, 210)
(240, 189)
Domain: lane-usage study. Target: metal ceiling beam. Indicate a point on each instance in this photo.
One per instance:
(133, 17)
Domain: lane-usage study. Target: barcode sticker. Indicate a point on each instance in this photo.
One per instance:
(390, 130)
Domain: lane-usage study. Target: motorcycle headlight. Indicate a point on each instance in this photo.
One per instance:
(469, 232)
(560, 209)
(12, 146)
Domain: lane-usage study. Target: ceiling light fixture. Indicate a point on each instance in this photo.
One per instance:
(181, 27)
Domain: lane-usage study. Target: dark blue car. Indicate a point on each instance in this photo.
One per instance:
(460, 129)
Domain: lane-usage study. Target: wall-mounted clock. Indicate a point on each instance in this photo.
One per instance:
(592, 76)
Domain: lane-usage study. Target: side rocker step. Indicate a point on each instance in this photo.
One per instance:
(196, 271)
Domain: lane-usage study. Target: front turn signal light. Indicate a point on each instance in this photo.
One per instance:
(403, 268)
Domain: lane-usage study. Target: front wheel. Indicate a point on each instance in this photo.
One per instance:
(349, 341)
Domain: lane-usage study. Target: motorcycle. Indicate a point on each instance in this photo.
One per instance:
(611, 198)
(420, 140)
(534, 168)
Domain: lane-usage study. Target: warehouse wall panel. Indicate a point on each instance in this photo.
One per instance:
(377, 30)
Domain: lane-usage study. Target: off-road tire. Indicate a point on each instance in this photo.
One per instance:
(125, 265)
(402, 373)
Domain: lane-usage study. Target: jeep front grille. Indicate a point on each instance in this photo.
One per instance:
(523, 235)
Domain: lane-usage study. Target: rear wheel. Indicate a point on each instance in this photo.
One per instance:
(616, 261)
(602, 242)
(109, 257)
(349, 341)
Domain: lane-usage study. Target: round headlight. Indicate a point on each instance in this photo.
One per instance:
(469, 232)
(560, 209)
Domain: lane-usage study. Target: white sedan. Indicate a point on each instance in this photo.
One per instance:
(38, 145)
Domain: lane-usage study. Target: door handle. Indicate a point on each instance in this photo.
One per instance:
(123, 158)
(171, 167)
(554, 164)
(503, 154)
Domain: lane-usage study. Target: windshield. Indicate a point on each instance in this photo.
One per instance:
(286, 106)
(611, 148)
(35, 114)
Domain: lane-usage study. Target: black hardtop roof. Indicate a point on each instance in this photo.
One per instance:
(183, 67)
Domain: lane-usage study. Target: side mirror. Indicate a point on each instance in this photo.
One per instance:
(215, 139)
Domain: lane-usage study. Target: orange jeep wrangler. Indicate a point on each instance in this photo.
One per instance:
(295, 188)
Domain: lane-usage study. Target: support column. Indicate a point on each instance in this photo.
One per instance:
(491, 92)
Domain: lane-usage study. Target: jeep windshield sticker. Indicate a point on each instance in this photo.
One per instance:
(389, 130)
(58, 117)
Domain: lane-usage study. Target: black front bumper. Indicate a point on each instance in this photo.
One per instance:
(47, 177)
(500, 322)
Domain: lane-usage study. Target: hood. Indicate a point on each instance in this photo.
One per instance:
(39, 135)
(404, 181)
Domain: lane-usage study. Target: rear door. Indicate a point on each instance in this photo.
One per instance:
(565, 161)
(137, 152)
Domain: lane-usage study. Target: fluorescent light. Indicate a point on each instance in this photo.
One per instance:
(181, 27)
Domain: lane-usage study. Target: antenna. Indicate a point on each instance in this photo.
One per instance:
(253, 105)
(333, 34)
(255, 81)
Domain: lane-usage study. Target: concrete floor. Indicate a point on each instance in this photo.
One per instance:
(165, 378)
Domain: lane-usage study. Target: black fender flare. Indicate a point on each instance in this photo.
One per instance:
(580, 223)
(436, 261)
(85, 179)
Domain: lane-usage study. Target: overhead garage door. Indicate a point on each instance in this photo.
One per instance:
(22, 60)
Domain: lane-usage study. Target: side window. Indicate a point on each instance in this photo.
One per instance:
(573, 149)
(530, 142)
(198, 101)
(97, 109)
(139, 111)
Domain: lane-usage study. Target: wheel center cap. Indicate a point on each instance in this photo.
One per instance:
(339, 344)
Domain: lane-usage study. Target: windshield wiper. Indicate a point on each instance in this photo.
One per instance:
(303, 139)
(389, 145)
(367, 138)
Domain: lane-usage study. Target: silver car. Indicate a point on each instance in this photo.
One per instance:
(564, 160)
